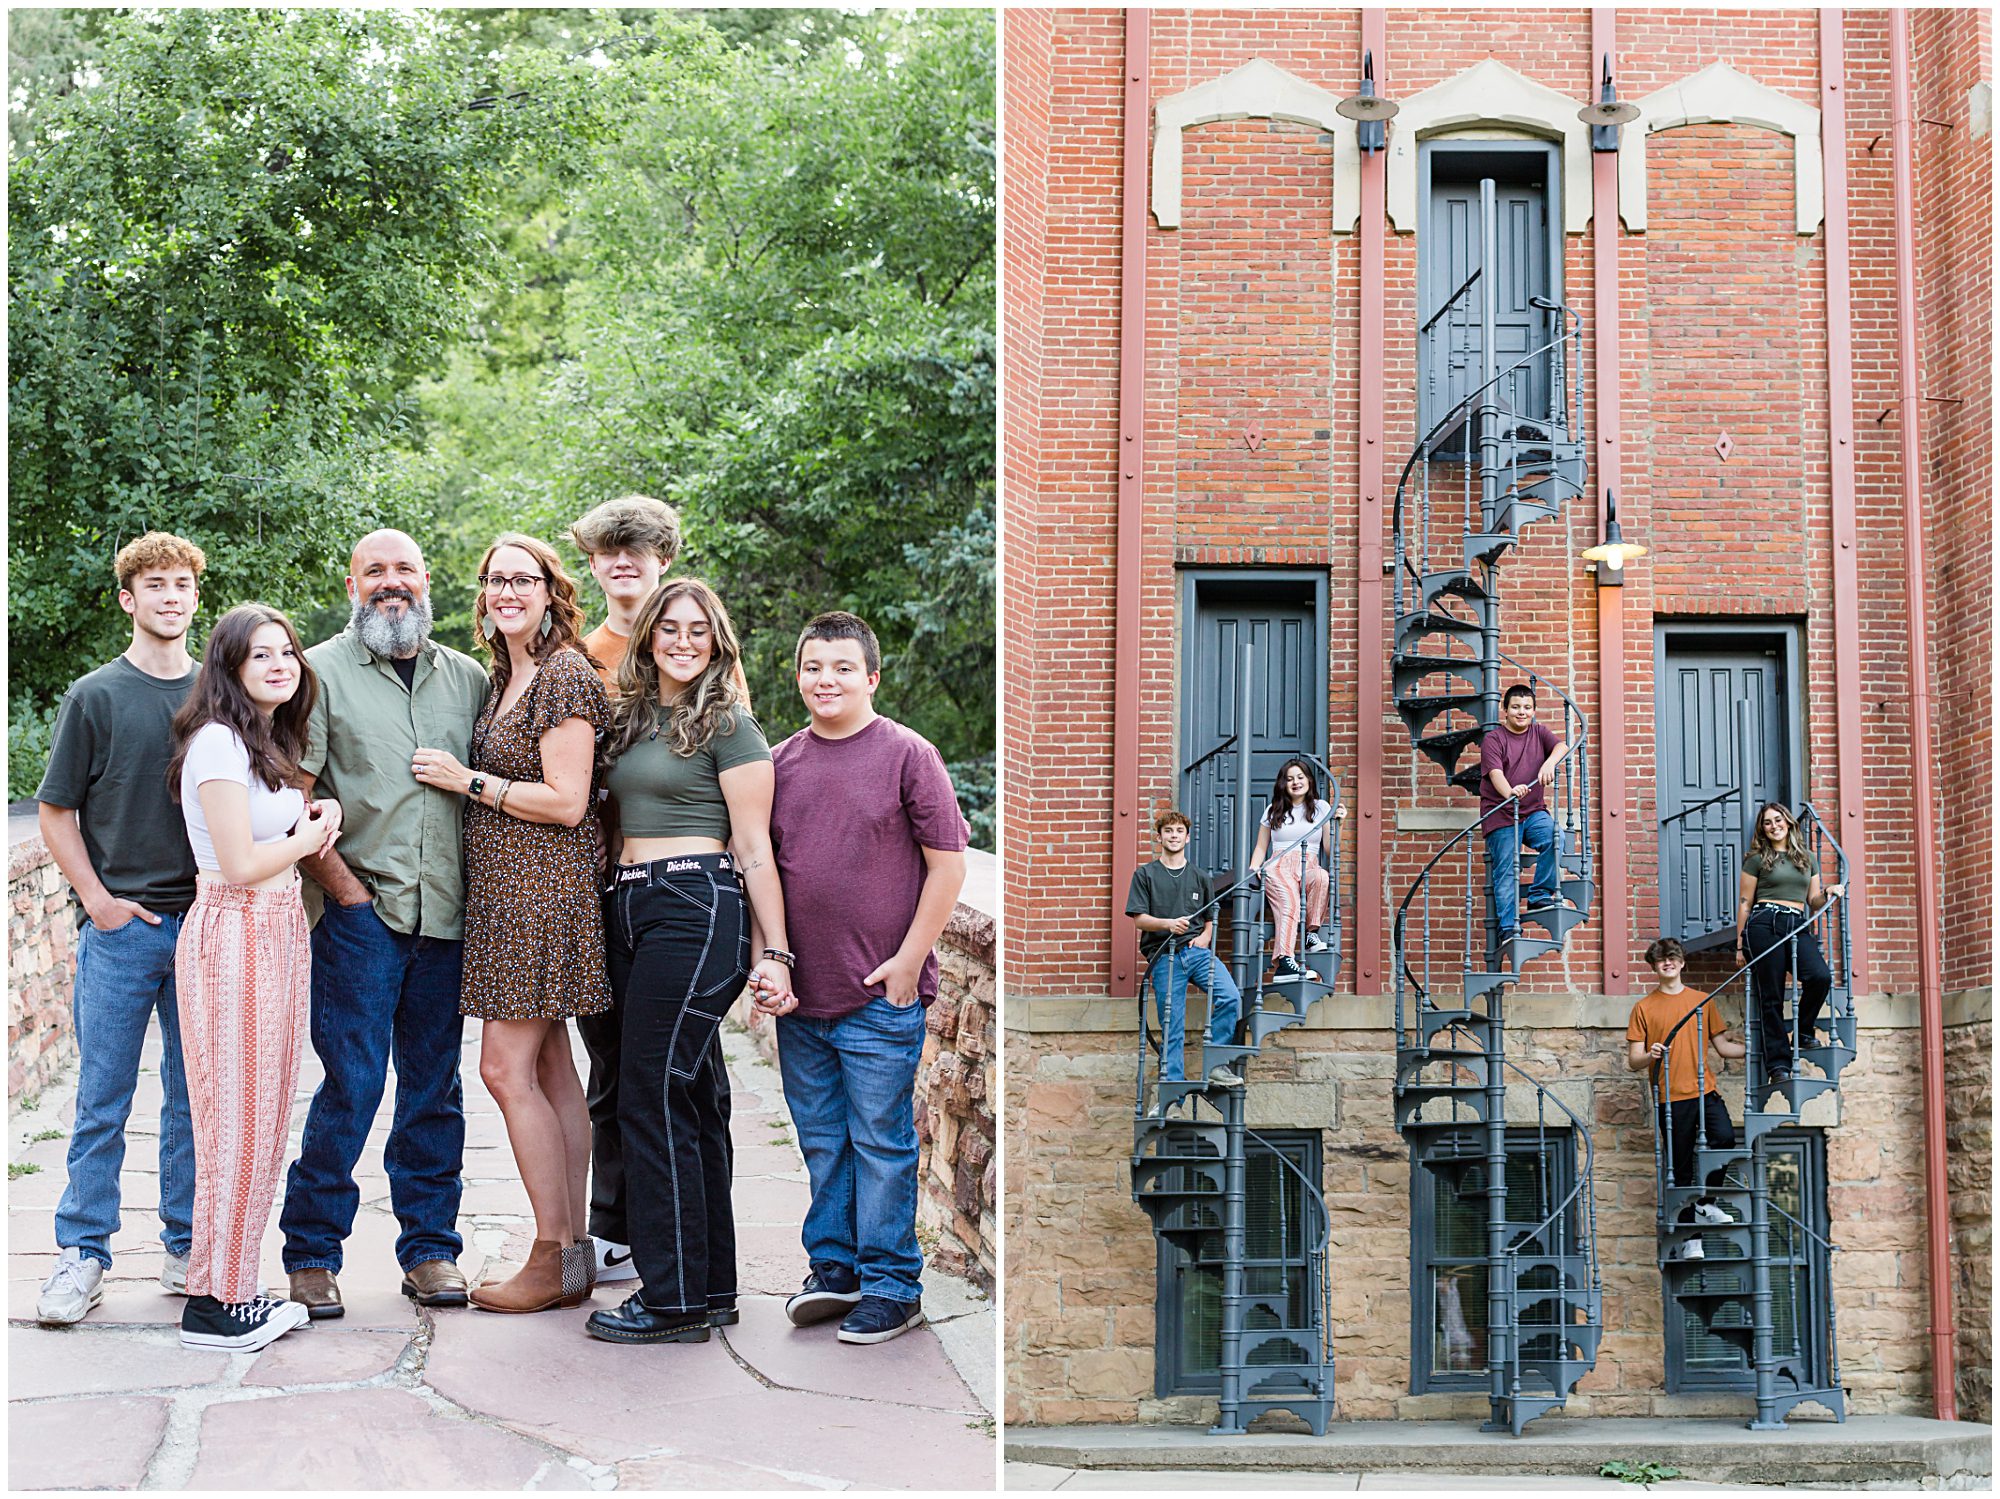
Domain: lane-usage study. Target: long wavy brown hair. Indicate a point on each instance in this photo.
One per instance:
(275, 743)
(697, 714)
(1794, 846)
(565, 614)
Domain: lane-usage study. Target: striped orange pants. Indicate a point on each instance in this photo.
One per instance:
(244, 974)
(1282, 878)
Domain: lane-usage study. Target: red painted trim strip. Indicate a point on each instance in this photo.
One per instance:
(1930, 975)
(1131, 457)
(1371, 638)
(1840, 461)
(1614, 913)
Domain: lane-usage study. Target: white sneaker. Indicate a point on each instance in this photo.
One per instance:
(1711, 1215)
(1691, 1250)
(174, 1274)
(614, 1261)
(72, 1289)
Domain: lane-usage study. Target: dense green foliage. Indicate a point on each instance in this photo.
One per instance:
(280, 277)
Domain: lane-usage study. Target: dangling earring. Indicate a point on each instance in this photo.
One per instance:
(489, 627)
(548, 622)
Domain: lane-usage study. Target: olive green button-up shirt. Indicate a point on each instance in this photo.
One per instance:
(402, 839)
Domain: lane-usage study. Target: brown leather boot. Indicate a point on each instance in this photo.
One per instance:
(318, 1292)
(435, 1283)
(586, 1246)
(551, 1278)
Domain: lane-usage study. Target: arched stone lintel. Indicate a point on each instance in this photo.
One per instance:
(1257, 90)
(1720, 95)
(1486, 94)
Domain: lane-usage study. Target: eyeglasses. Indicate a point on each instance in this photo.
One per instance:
(501, 583)
(670, 632)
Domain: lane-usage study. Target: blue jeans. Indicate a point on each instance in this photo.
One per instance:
(851, 1086)
(1170, 975)
(1503, 872)
(122, 978)
(377, 992)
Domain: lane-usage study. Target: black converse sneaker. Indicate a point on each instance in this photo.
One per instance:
(238, 1325)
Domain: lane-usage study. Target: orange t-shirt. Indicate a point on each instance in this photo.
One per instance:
(607, 647)
(1657, 1014)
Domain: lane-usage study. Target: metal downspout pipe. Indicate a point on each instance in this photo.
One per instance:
(1930, 978)
(1131, 457)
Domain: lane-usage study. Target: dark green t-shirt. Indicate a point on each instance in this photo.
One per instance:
(665, 795)
(1160, 891)
(1780, 878)
(113, 739)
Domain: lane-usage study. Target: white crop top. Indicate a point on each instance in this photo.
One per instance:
(1300, 824)
(217, 753)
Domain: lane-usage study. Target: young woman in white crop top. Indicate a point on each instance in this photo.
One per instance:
(242, 967)
(1297, 830)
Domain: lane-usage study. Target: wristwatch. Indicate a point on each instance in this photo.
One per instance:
(478, 785)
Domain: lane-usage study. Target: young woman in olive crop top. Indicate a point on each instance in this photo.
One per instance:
(1777, 891)
(695, 887)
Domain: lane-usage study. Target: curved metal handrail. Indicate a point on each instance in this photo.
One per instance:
(1583, 1177)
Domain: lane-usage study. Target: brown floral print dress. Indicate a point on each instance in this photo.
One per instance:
(534, 930)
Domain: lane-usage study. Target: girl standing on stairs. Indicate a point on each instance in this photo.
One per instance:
(1297, 831)
(1778, 891)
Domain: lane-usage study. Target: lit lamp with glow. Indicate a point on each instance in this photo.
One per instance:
(1612, 553)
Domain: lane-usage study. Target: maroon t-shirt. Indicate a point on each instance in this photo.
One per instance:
(850, 820)
(1522, 757)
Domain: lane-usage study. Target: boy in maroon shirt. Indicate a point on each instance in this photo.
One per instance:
(870, 846)
(1517, 761)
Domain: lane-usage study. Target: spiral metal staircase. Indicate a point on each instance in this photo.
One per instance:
(1189, 1162)
(1727, 1288)
(1485, 469)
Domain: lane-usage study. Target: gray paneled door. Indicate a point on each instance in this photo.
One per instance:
(1451, 250)
(1700, 684)
(1287, 708)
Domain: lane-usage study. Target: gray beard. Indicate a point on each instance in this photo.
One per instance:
(396, 638)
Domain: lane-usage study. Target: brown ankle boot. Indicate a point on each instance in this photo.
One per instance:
(551, 1278)
(586, 1247)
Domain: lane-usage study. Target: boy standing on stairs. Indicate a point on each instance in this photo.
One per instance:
(1175, 945)
(1518, 760)
(1693, 1093)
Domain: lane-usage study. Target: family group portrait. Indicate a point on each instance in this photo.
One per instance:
(501, 749)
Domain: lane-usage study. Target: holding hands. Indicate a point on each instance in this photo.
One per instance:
(771, 988)
(319, 829)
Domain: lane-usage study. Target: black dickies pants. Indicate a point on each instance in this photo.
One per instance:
(679, 938)
(1685, 1115)
(1769, 924)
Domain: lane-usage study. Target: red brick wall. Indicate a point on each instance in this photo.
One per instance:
(1954, 51)
(1253, 319)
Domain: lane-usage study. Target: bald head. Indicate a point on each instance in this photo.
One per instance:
(387, 544)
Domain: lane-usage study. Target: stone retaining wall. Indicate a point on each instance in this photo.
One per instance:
(41, 952)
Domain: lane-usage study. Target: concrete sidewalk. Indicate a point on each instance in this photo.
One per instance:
(394, 1397)
(1872, 1451)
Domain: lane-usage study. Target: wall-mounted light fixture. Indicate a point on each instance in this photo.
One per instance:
(1607, 114)
(1612, 553)
(1370, 113)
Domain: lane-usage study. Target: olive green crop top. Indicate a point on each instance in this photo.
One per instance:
(1780, 878)
(664, 795)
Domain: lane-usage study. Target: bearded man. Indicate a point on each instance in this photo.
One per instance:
(387, 954)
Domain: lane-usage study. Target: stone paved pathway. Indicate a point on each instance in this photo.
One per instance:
(393, 1397)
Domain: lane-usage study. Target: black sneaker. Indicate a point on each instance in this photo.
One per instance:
(635, 1322)
(878, 1319)
(238, 1325)
(829, 1291)
(1285, 966)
